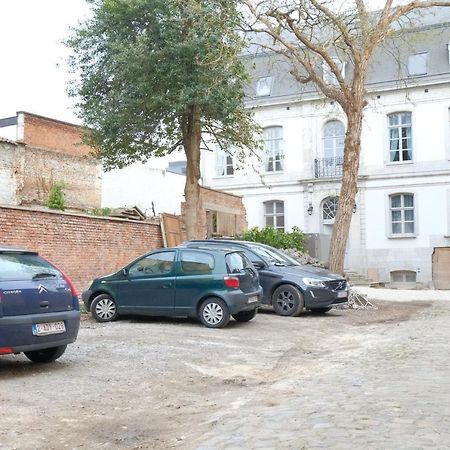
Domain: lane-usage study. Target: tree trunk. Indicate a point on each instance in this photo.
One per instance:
(191, 129)
(349, 187)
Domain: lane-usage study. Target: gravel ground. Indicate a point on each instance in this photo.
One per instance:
(350, 379)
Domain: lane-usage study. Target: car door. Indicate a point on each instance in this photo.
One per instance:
(149, 286)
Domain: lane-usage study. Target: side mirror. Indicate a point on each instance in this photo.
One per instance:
(258, 265)
(125, 271)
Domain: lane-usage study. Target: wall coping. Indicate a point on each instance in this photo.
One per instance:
(220, 192)
(155, 221)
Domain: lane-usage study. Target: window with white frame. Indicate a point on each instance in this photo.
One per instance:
(274, 214)
(402, 214)
(333, 139)
(224, 163)
(400, 137)
(328, 76)
(264, 86)
(329, 209)
(273, 151)
(418, 64)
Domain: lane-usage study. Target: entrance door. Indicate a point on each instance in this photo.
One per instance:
(441, 267)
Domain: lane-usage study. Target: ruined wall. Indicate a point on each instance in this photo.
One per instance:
(84, 247)
(51, 134)
(9, 166)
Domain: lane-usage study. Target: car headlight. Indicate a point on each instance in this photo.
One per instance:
(313, 282)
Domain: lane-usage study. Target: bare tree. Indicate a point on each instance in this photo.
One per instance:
(316, 35)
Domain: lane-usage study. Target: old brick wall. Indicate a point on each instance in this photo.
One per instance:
(83, 247)
(214, 200)
(9, 165)
(51, 134)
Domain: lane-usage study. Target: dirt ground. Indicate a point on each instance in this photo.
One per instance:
(171, 383)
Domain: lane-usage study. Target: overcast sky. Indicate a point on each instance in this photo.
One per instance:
(33, 71)
(34, 74)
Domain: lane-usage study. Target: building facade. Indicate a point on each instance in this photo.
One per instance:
(402, 211)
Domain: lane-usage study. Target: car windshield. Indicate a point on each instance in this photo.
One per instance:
(274, 256)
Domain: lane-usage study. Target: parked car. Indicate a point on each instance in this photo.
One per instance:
(210, 285)
(39, 309)
(287, 285)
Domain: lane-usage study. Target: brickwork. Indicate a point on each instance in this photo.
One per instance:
(83, 247)
(50, 134)
(220, 201)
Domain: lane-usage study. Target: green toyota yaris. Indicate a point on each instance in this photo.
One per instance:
(210, 285)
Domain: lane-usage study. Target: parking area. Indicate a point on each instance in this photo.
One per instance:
(351, 378)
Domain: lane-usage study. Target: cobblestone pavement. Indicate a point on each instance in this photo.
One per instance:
(383, 386)
(350, 379)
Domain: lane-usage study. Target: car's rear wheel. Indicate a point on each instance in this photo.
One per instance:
(320, 310)
(287, 300)
(214, 313)
(245, 316)
(46, 355)
(104, 308)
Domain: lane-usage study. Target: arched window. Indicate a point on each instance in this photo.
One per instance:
(333, 139)
(329, 209)
(273, 151)
(400, 137)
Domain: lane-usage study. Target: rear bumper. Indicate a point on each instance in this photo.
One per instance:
(237, 301)
(16, 331)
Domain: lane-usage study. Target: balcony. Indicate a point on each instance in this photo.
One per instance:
(328, 167)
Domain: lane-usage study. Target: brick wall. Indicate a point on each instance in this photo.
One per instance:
(83, 247)
(51, 134)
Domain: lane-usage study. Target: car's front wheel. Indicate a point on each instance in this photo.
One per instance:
(245, 316)
(104, 308)
(287, 300)
(214, 313)
(46, 355)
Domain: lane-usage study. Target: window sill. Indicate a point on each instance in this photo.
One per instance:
(278, 172)
(398, 163)
(402, 236)
(220, 177)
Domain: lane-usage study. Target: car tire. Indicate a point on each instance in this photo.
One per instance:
(214, 313)
(245, 316)
(287, 300)
(104, 308)
(46, 355)
(320, 310)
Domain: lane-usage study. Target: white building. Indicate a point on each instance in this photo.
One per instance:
(402, 211)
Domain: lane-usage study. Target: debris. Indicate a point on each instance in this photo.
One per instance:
(133, 213)
(303, 258)
(356, 300)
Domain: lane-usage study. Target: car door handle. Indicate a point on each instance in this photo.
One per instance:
(166, 286)
(43, 304)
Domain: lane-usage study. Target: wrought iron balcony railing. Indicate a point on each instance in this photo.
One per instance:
(328, 167)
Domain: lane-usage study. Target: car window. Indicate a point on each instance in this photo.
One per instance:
(23, 267)
(155, 264)
(274, 256)
(197, 263)
(237, 262)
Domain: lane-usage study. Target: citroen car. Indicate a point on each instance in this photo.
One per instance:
(39, 309)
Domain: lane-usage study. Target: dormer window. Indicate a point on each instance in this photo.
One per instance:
(264, 86)
(418, 64)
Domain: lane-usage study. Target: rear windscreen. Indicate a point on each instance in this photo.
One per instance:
(23, 267)
(237, 262)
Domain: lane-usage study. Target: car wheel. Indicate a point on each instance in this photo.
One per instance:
(320, 310)
(46, 355)
(214, 313)
(287, 300)
(104, 308)
(245, 316)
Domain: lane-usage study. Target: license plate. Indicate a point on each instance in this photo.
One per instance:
(252, 299)
(42, 329)
(342, 294)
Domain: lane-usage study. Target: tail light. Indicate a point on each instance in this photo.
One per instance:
(6, 350)
(231, 282)
(66, 278)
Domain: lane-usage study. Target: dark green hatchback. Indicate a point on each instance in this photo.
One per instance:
(211, 285)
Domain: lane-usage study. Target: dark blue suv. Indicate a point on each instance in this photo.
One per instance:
(39, 309)
(288, 286)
